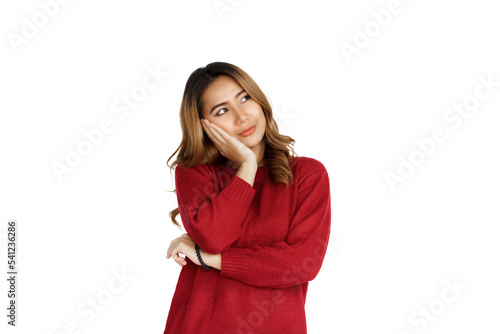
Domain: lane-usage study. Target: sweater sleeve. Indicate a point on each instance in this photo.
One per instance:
(299, 257)
(212, 220)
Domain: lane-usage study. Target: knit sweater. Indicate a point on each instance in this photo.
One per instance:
(272, 242)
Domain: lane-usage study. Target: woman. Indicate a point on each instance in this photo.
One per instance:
(257, 217)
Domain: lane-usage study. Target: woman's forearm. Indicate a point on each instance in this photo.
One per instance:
(246, 171)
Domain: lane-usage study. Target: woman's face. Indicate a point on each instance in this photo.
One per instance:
(229, 107)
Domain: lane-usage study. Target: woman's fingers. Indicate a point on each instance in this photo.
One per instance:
(212, 133)
(174, 250)
(232, 148)
(179, 259)
(184, 245)
(209, 132)
(222, 135)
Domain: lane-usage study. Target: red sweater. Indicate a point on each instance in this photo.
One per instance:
(272, 242)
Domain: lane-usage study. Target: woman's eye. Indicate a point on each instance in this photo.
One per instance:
(246, 98)
(220, 111)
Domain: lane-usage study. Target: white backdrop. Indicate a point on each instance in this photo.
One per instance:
(398, 99)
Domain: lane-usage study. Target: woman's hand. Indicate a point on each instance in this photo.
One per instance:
(182, 245)
(185, 245)
(228, 146)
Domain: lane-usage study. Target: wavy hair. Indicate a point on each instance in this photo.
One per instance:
(196, 146)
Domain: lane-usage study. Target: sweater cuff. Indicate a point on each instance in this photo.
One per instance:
(239, 191)
(234, 264)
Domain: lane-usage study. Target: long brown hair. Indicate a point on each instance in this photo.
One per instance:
(196, 146)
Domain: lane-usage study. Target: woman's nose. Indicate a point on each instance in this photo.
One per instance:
(240, 114)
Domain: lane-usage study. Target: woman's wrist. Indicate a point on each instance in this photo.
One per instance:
(247, 171)
(211, 260)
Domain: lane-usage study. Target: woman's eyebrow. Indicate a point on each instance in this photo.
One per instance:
(225, 102)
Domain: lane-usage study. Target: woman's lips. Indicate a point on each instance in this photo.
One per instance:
(248, 132)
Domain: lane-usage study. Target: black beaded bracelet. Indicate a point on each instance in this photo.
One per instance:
(199, 257)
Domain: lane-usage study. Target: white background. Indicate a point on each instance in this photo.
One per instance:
(391, 251)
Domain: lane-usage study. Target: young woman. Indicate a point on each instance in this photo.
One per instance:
(257, 217)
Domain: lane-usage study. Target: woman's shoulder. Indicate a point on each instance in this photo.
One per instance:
(193, 171)
(306, 165)
(203, 169)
